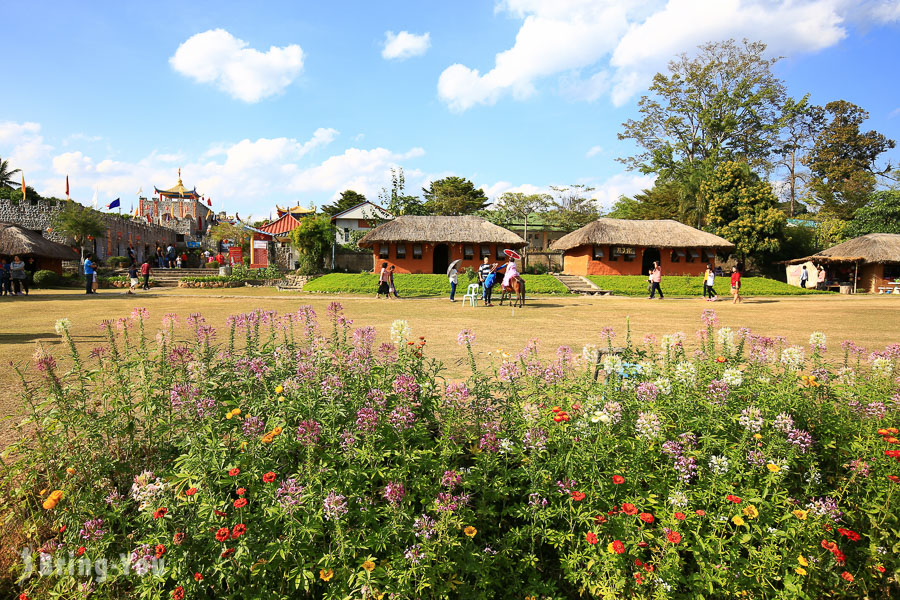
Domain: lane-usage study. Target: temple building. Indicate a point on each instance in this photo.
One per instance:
(178, 208)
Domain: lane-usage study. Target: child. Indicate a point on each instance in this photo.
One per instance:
(133, 278)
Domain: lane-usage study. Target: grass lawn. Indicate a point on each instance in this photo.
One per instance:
(554, 320)
(419, 286)
(686, 285)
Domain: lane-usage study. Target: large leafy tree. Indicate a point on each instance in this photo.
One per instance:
(801, 123)
(880, 215)
(572, 207)
(79, 223)
(843, 160)
(238, 236)
(662, 201)
(314, 238)
(7, 175)
(348, 200)
(744, 210)
(397, 201)
(454, 196)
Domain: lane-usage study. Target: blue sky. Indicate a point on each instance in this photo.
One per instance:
(287, 102)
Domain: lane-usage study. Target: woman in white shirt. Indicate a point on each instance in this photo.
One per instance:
(709, 279)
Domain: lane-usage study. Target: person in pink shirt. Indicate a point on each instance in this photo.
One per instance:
(655, 278)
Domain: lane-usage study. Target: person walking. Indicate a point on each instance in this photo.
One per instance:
(145, 271)
(132, 258)
(384, 282)
(132, 278)
(5, 289)
(655, 280)
(89, 273)
(736, 285)
(820, 279)
(392, 287)
(17, 274)
(804, 277)
(453, 276)
(709, 279)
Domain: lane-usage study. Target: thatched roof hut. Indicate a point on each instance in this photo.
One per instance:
(878, 248)
(447, 230)
(664, 233)
(15, 240)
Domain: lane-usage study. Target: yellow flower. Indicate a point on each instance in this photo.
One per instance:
(802, 561)
(236, 411)
(56, 494)
(773, 468)
(756, 436)
(470, 531)
(228, 415)
(277, 431)
(751, 512)
(243, 446)
(800, 514)
(369, 566)
(281, 398)
(800, 571)
(737, 520)
(278, 390)
(42, 492)
(326, 574)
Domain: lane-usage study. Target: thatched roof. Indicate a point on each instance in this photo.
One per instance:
(625, 232)
(15, 240)
(870, 248)
(466, 230)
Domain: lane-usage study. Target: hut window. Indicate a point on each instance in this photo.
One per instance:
(613, 257)
(468, 252)
(707, 256)
(346, 234)
(891, 271)
(417, 251)
(484, 251)
(629, 254)
(499, 254)
(383, 250)
(677, 255)
(626, 252)
(598, 252)
(401, 250)
(692, 255)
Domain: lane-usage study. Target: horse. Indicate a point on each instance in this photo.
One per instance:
(517, 287)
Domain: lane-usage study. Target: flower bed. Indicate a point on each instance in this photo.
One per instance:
(286, 458)
(215, 281)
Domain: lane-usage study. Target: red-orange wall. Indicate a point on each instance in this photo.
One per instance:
(579, 261)
(426, 263)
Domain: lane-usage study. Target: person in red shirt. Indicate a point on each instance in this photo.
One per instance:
(146, 270)
(736, 285)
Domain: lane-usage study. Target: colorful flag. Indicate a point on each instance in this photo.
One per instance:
(23, 187)
(140, 191)
(208, 202)
(67, 187)
(114, 204)
(137, 211)
(94, 202)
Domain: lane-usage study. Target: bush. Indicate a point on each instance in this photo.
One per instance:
(306, 461)
(45, 279)
(416, 285)
(692, 285)
(118, 261)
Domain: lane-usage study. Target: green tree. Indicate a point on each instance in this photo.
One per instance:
(454, 196)
(79, 223)
(744, 210)
(801, 123)
(880, 215)
(314, 238)
(831, 230)
(518, 205)
(397, 201)
(662, 201)
(843, 160)
(571, 207)
(6, 175)
(238, 236)
(348, 200)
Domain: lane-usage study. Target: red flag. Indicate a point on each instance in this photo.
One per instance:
(67, 186)
(23, 186)
(208, 202)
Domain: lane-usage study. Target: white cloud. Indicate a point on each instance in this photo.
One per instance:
(594, 151)
(608, 191)
(404, 45)
(72, 163)
(219, 58)
(613, 47)
(365, 171)
(894, 113)
(23, 146)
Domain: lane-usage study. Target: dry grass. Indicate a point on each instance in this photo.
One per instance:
(868, 320)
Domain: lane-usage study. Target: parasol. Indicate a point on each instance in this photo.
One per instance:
(512, 254)
(453, 265)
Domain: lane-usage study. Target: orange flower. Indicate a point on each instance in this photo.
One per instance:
(369, 566)
(160, 550)
(578, 496)
(629, 509)
(326, 574)
(618, 479)
(240, 503)
(646, 517)
(847, 577)
(268, 477)
(591, 538)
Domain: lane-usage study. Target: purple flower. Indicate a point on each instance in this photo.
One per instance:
(308, 433)
(406, 386)
(446, 502)
(457, 394)
(465, 337)
(717, 391)
(183, 393)
(347, 440)
(535, 439)
(367, 419)
(334, 506)
(646, 392)
(92, 530)
(253, 426)
(424, 527)
(402, 418)
(509, 371)
(802, 439)
(756, 458)
(709, 318)
(450, 479)
(783, 423)
(289, 495)
(394, 492)
(825, 508)
(414, 554)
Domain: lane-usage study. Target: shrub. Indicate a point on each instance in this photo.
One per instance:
(118, 261)
(294, 455)
(45, 279)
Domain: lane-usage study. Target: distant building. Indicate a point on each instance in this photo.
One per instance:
(271, 243)
(362, 217)
(429, 244)
(870, 262)
(298, 212)
(540, 234)
(179, 209)
(629, 247)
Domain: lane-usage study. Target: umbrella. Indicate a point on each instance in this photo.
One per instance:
(453, 265)
(512, 254)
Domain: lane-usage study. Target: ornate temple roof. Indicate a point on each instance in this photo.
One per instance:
(179, 191)
(297, 211)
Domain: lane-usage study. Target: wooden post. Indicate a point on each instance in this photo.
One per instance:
(855, 275)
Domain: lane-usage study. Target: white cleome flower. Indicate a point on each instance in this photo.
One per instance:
(733, 377)
(399, 331)
(792, 358)
(62, 325)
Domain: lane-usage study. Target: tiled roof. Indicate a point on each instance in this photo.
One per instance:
(281, 226)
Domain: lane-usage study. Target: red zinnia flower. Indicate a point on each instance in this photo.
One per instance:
(880, 568)
(700, 512)
(847, 577)
(617, 479)
(674, 537)
(240, 491)
(852, 535)
(830, 546)
(648, 567)
(198, 576)
(732, 498)
(720, 359)
(629, 509)
(269, 477)
(839, 557)
(239, 530)
(178, 593)
(219, 513)
(81, 550)
(557, 418)
(62, 529)
(555, 409)
(228, 552)
(240, 503)
(600, 519)
(639, 578)
(646, 517)
(178, 538)
(223, 534)
(638, 563)
(190, 491)
(681, 516)
(160, 550)
(618, 547)
(591, 538)
(234, 471)
(894, 478)
(160, 512)
(578, 496)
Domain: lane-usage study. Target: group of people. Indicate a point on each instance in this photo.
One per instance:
(165, 259)
(386, 285)
(90, 273)
(15, 276)
(820, 278)
(488, 276)
(654, 278)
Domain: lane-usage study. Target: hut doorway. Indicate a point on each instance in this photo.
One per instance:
(651, 255)
(441, 259)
